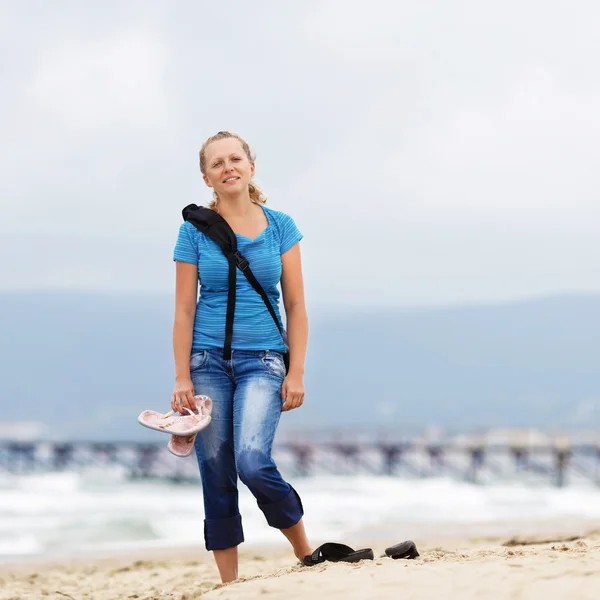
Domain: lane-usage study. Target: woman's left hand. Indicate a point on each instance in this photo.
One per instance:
(292, 391)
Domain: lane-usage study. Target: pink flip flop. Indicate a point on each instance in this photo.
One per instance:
(181, 446)
(182, 428)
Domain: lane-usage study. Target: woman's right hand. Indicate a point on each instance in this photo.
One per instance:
(183, 396)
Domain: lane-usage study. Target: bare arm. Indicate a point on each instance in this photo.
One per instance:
(292, 286)
(186, 290)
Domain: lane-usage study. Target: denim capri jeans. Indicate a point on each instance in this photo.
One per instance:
(246, 395)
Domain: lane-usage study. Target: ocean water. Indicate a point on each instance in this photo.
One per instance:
(100, 510)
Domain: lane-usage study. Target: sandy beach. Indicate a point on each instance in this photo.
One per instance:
(549, 567)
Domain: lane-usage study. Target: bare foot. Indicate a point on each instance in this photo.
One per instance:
(297, 538)
(300, 554)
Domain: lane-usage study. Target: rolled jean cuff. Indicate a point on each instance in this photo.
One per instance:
(285, 512)
(220, 534)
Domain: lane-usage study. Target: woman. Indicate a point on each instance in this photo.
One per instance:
(250, 390)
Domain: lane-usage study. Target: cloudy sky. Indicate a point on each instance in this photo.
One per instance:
(432, 153)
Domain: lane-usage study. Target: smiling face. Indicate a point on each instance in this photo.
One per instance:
(227, 167)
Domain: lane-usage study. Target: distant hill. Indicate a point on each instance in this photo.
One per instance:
(87, 363)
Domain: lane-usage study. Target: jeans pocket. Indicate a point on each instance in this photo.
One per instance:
(197, 360)
(273, 361)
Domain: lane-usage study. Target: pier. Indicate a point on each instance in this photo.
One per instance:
(512, 456)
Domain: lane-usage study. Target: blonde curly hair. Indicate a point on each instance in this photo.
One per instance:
(256, 194)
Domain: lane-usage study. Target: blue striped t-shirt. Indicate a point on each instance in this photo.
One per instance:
(253, 326)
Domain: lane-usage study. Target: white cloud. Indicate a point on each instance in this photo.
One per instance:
(456, 208)
(429, 154)
(530, 157)
(93, 111)
(115, 81)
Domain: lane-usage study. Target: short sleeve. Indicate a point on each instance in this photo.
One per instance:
(290, 235)
(186, 247)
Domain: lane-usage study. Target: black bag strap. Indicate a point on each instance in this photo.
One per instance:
(217, 229)
(231, 283)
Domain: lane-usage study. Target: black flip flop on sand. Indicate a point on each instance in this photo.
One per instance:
(337, 553)
(406, 549)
